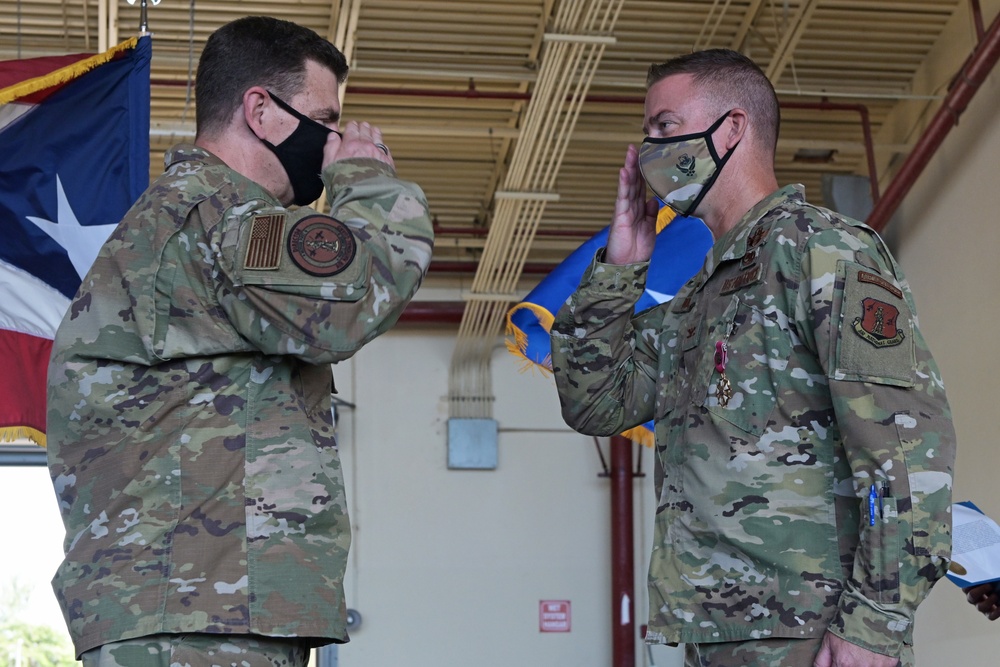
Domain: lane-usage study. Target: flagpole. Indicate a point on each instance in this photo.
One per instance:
(143, 15)
(143, 19)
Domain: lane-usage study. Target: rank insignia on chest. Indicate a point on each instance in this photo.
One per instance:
(757, 236)
(264, 248)
(321, 246)
(683, 306)
(877, 325)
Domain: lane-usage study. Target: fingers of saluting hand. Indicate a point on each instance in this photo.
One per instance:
(362, 139)
(631, 187)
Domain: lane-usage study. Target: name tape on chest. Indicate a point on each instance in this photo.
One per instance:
(747, 277)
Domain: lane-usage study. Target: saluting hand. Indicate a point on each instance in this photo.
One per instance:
(356, 140)
(633, 229)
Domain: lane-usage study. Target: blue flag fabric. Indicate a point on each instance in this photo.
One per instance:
(74, 156)
(681, 246)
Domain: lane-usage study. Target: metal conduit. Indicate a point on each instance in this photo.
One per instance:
(975, 70)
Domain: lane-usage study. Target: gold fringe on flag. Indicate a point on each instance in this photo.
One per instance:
(15, 433)
(63, 74)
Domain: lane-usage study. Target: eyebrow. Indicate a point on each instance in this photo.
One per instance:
(328, 115)
(653, 119)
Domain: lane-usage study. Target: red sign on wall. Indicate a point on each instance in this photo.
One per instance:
(553, 616)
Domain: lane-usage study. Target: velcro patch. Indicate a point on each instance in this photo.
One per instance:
(264, 248)
(876, 334)
(321, 246)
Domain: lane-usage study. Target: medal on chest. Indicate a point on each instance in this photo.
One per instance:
(723, 389)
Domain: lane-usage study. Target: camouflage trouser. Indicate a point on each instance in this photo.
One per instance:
(779, 652)
(199, 650)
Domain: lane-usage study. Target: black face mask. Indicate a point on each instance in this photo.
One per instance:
(301, 154)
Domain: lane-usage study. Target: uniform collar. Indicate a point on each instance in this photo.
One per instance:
(748, 232)
(190, 153)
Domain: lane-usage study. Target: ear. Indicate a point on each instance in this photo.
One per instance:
(255, 108)
(734, 129)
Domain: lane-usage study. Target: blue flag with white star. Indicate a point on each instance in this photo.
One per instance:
(74, 156)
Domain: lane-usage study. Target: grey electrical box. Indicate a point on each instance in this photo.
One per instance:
(472, 444)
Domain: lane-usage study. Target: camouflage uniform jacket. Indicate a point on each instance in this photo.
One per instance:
(762, 525)
(190, 433)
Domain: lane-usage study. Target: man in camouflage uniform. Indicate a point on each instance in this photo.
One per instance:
(804, 441)
(191, 441)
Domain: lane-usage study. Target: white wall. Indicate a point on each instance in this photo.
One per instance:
(950, 237)
(448, 566)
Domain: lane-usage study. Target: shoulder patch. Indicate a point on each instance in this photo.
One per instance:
(876, 342)
(321, 246)
(264, 248)
(878, 323)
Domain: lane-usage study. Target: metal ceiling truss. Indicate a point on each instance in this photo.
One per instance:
(573, 49)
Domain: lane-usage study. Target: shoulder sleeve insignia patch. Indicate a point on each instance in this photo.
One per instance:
(321, 246)
(877, 325)
(264, 248)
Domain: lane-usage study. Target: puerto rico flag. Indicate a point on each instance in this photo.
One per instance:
(74, 156)
(681, 246)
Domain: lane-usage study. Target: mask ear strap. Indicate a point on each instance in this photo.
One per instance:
(719, 162)
(298, 114)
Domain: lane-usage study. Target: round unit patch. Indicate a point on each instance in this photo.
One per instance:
(321, 245)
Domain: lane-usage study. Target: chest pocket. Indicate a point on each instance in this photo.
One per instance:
(678, 361)
(742, 330)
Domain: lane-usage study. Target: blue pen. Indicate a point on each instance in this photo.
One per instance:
(872, 495)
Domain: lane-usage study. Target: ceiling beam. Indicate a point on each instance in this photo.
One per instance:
(786, 47)
(748, 19)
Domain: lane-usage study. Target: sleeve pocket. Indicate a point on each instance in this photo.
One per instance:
(880, 548)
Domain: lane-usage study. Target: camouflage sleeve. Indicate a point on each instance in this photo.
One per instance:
(319, 287)
(604, 372)
(855, 309)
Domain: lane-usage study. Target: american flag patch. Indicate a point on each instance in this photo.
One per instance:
(264, 249)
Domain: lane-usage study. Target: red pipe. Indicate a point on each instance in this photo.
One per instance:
(472, 266)
(622, 555)
(472, 93)
(433, 312)
(968, 81)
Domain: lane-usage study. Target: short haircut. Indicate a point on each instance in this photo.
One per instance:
(729, 80)
(256, 51)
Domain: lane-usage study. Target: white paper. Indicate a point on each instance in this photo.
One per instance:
(975, 546)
